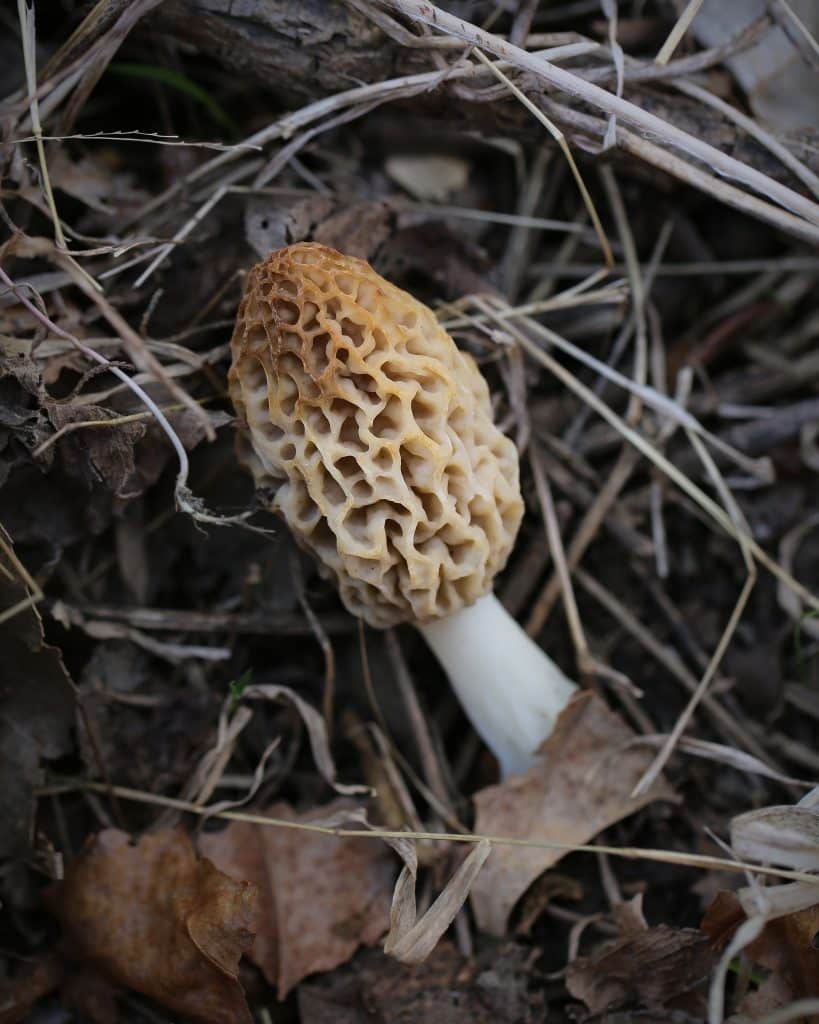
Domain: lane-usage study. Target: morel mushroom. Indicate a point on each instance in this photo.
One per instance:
(376, 433)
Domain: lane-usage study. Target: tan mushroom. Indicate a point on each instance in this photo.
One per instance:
(376, 434)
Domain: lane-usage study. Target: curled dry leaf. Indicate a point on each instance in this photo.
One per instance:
(787, 836)
(321, 895)
(411, 940)
(581, 785)
(788, 945)
(658, 968)
(155, 918)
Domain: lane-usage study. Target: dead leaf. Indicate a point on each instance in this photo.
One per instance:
(154, 452)
(722, 918)
(270, 225)
(428, 176)
(19, 994)
(91, 996)
(788, 945)
(98, 453)
(445, 989)
(36, 711)
(21, 419)
(154, 918)
(321, 896)
(357, 230)
(542, 892)
(411, 940)
(654, 968)
(91, 179)
(40, 507)
(779, 82)
(581, 785)
(783, 835)
(629, 917)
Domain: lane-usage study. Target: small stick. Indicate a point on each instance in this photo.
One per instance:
(678, 31)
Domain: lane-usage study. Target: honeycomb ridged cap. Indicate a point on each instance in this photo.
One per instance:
(376, 433)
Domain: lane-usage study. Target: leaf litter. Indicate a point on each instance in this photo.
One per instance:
(581, 784)
(121, 276)
(153, 917)
(319, 897)
(37, 702)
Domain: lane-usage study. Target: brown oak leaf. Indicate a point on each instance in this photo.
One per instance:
(155, 918)
(581, 784)
(321, 896)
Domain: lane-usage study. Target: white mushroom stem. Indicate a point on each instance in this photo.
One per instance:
(511, 691)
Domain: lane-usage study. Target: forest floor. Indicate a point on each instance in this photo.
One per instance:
(224, 798)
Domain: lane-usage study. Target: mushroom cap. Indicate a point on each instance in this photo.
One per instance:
(376, 433)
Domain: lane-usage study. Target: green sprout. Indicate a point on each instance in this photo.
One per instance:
(180, 82)
(237, 687)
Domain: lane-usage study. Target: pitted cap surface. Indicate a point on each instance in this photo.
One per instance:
(376, 432)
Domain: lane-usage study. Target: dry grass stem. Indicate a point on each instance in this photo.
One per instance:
(555, 544)
(691, 860)
(427, 14)
(681, 26)
(560, 139)
(34, 595)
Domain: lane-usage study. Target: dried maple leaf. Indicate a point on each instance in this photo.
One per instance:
(321, 896)
(155, 918)
(581, 785)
